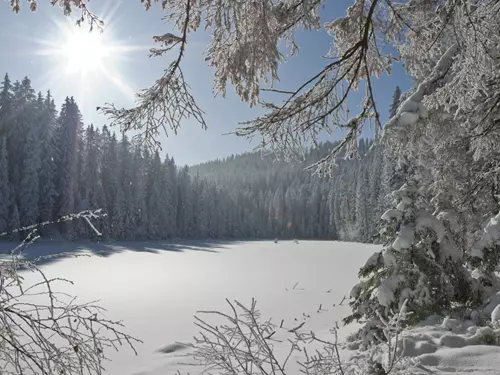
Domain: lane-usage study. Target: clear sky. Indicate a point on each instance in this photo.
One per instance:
(31, 45)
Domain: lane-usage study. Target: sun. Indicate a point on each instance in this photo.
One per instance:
(84, 51)
(87, 59)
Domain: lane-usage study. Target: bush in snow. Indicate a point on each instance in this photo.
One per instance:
(418, 264)
(241, 342)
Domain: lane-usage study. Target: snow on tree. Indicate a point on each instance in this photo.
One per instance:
(413, 266)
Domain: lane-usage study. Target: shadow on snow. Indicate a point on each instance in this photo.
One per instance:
(46, 251)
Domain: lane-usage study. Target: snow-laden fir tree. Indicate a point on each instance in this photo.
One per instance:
(484, 256)
(419, 263)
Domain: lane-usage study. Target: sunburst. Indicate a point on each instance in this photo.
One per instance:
(89, 57)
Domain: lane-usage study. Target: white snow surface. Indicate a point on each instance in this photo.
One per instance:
(157, 288)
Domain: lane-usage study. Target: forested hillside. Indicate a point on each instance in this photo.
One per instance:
(281, 199)
(52, 165)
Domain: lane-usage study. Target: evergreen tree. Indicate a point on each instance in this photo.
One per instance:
(15, 224)
(154, 197)
(18, 129)
(93, 190)
(29, 187)
(396, 97)
(410, 267)
(47, 192)
(126, 201)
(5, 202)
(139, 194)
(6, 106)
(69, 128)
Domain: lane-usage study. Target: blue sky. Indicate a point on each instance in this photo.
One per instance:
(24, 36)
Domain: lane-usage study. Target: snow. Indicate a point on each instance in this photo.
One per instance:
(495, 314)
(372, 260)
(156, 288)
(451, 217)
(389, 258)
(490, 237)
(385, 293)
(426, 220)
(405, 238)
(413, 109)
(392, 214)
(471, 360)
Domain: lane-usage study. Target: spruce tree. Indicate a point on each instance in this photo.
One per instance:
(69, 129)
(5, 202)
(94, 194)
(15, 224)
(47, 192)
(410, 267)
(29, 187)
(126, 174)
(396, 97)
(6, 105)
(18, 129)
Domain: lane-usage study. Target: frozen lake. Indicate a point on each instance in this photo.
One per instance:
(156, 288)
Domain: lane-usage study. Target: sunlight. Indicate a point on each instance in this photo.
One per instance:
(91, 58)
(84, 51)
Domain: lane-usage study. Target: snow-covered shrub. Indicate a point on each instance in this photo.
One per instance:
(418, 263)
(241, 342)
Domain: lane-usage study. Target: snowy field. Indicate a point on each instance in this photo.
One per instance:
(156, 288)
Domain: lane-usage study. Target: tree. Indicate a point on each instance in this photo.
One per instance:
(6, 105)
(5, 202)
(93, 190)
(411, 267)
(396, 97)
(154, 197)
(15, 223)
(47, 124)
(69, 128)
(17, 131)
(365, 41)
(29, 185)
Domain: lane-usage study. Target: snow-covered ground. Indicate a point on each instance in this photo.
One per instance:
(156, 288)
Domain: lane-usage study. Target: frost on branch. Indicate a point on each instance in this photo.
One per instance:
(241, 342)
(43, 331)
